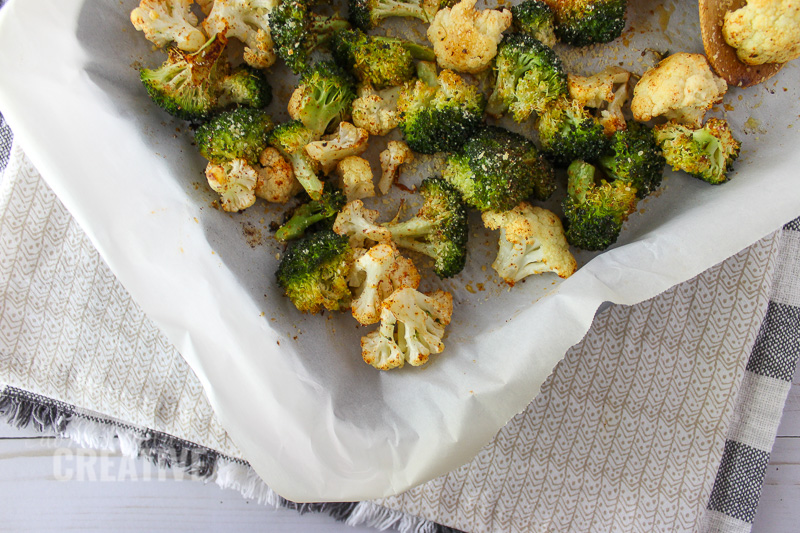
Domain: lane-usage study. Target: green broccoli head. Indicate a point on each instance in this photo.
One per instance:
(585, 22)
(296, 32)
(239, 133)
(707, 153)
(635, 158)
(595, 212)
(313, 272)
(528, 75)
(440, 118)
(313, 214)
(246, 86)
(368, 14)
(379, 61)
(567, 131)
(495, 169)
(290, 139)
(535, 18)
(186, 85)
(440, 228)
(323, 97)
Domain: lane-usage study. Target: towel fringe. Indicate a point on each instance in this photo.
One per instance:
(373, 515)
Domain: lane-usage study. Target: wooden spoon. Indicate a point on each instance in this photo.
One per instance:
(723, 56)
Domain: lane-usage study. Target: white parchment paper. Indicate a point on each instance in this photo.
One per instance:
(314, 421)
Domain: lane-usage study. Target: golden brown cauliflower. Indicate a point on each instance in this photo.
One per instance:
(396, 154)
(235, 181)
(356, 178)
(764, 31)
(167, 21)
(376, 111)
(606, 91)
(465, 39)
(348, 140)
(248, 21)
(275, 182)
(412, 327)
(681, 87)
(376, 274)
(532, 241)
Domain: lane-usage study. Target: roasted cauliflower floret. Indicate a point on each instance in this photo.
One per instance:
(607, 91)
(681, 87)
(246, 20)
(356, 178)
(465, 39)
(412, 327)
(167, 21)
(348, 140)
(764, 31)
(532, 241)
(358, 223)
(275, 182)
(235, 181)
(377, 273)
(397, 153)
(376, 111)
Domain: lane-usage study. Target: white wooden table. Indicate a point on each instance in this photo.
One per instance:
(133, 497)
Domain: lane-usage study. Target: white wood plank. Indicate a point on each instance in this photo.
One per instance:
(778, 509)
(44, 488)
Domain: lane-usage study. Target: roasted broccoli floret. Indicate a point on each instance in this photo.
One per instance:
(313, 212)
(584, 22)
(496, 169)
(297, 31)
(707, 153)
(535, 18)
(313, 272)
(528, 75)
(323, 97)
(291, 138)
(440, 118)
(635, 158)
(367, 14)
(186, 85)
(595, 212)
(379, 61)
(245, 86)
(439, 229)
(240, 133)
(567, 131)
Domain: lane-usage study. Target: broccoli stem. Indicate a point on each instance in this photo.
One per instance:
(417, 51)
(395, 8)
(413, 227)
(305, 174)
(303, 217)
(323, 28)
(710, 145)
(580, 179)
(426, 71)
(415, 245)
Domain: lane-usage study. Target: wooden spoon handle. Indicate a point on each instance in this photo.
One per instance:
(722, 56)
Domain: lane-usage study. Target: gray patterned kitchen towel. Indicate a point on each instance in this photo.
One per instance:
(658, 413)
